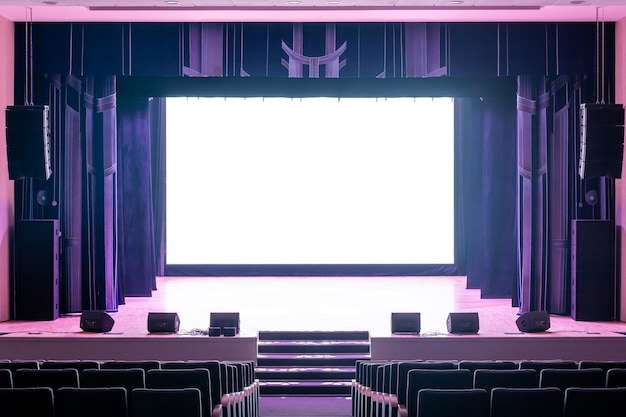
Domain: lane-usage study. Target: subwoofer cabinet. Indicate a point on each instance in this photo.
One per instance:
(593, 270)
(37, 270)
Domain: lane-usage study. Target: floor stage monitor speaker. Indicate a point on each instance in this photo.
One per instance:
(163, 323)
(96, 321)
(225, 320)
(462, 323)
(533, 321)
(405, 323)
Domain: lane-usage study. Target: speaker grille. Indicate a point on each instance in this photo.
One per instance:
(163, 323)
(601, 140)
(96, 321)
(462, 323)
(533, 321)
(407, 323)
(223, 320)
(28, 142)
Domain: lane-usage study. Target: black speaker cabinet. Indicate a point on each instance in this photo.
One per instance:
(28, 142)
(215, 331)
(37, 270)
(229, 331)
(163, 323)
(601, 140)
(533, 321)
(223, 320)
(405, 323)
(96, 321)
(593, 270)
(462, 323)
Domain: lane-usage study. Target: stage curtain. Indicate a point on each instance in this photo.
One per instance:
(137, 260)
(157, 136)
(487, 159)
(72, 155)
(100, 182)
(532, 101)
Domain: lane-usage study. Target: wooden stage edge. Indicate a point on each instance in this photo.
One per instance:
(444, 347)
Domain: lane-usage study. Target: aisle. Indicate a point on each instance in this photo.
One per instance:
(305, 407)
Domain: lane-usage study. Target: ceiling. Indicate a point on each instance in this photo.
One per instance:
(312, 10)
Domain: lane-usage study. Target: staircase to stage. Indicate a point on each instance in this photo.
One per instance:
(320, 363)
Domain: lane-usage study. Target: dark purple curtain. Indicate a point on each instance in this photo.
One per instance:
(532, 102)
(157, 136)
(73, 156)
(100, 191)
(486, 158)
(550, 193)
(112, 233)
(139, 144)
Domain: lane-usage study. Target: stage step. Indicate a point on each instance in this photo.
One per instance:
(317, 346)
(338, 335)
(306, 388)
(309, 363)
(306, 360)
(309, 373)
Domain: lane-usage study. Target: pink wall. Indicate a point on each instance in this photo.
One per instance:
(620, 208)
(6, 186)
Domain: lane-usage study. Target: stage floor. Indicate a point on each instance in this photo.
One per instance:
(314, 303)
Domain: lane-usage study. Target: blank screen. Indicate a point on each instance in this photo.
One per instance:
(324, 181)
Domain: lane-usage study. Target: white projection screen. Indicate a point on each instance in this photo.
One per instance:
(309, 181)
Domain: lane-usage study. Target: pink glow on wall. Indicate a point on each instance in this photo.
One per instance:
(6, 186)
(316, 14)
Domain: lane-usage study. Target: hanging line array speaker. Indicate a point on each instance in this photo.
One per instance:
(601, 140)
(28, 142)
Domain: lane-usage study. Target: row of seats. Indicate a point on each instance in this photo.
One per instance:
(226, 389)
(101, 402)
(521, 402)
(390, 388)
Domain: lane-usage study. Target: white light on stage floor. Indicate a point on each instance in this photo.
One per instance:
(311, 303)
(310, 181)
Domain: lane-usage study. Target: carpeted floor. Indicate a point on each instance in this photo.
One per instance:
(305, 407)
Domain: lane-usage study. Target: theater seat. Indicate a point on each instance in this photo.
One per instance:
(488, 379)
(92, 402)
(6, 378)
(585, 402)
(452, 403)
(566, 378)
(145, 402)
(22, 402)
(420, 379)
(616, 378)
(525, 402)
(183, 378)
(53, 378)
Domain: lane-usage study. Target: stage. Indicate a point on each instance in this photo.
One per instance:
(320, 303)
